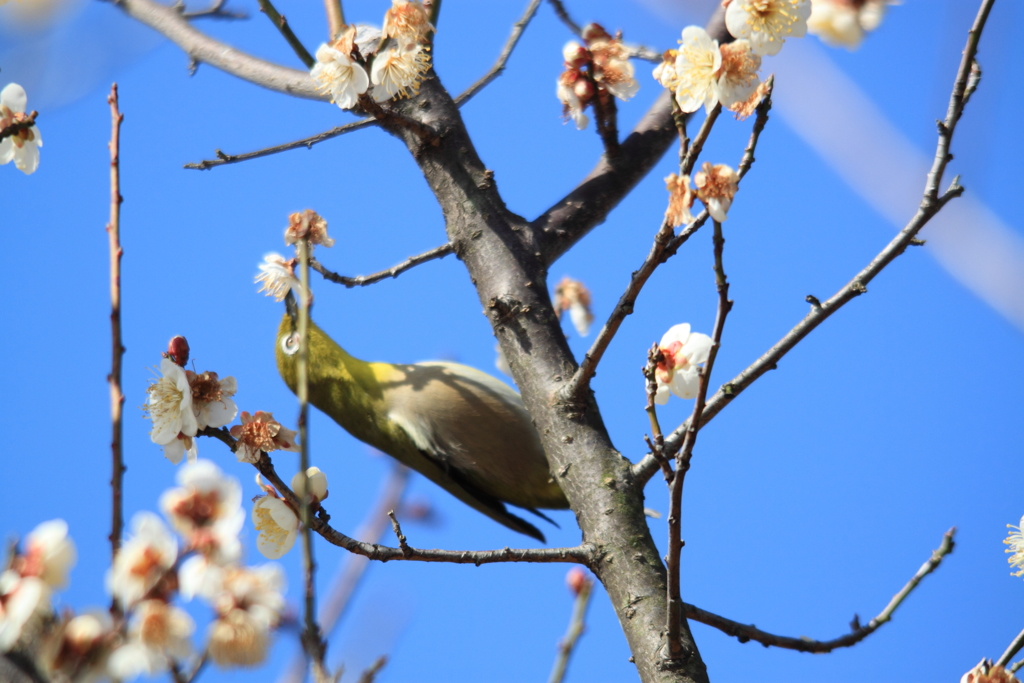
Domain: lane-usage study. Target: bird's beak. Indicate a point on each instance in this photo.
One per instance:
(291, 306)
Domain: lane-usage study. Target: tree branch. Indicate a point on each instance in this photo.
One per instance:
(590, 202)
(967, 78)
(675, 514)
(582, 554)
(202, 48)
(747, 633)
(506, 52)
(1013, 648)
(563, 14)
(117, 346)
(281, 24)
(214, 11)
(223, 159)
(392, 272)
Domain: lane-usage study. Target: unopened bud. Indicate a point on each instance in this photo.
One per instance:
(583, 89)
(177, 350)
(592, 32)
(576, 579)
(317, 484)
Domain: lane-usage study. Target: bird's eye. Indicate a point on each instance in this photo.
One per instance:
(290, 344)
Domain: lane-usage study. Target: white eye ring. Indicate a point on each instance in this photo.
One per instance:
(290, 344)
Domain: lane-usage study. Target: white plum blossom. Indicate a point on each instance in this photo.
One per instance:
(696, 70)
(569, 86)
(612, 69)
(24, 602)
(716, 187)
(78, 650)
(48, 554)
(277, 524)
(845, 22)
(407, 21)
(211, 399)
(338, 74)
(398, 71)
(767, 23)
(737, 79)
(261, 432)
(143, 560)
(572, 296)
(277, 276)
(158, 635)
(170, 407)
(682, 352)
(680, 199)
(23, 146)
(248, 607)
(206, 510)
(1016, 542)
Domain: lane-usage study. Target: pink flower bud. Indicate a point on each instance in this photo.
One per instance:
(583, 89)
(177, 350)
(576, 579)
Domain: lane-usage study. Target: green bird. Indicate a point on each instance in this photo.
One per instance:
(463, 429)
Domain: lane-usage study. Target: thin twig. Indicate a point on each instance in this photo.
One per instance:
(117, 346)
(345, 582)
(435, 12)
(370, 674)
(564, 16)
(335, 17)
(21, 124)
(746, 633)
(392, 272)
(1012, 649)
(506, 52)
(657, 441)
(584, 553)
(675, 542)
(402, 542)
(763, 107)
(697, 145)
(308, 143)
(931, 204)
(214, 11)
(577, 625)
(312, 641)
(282, 25)
(666, 244)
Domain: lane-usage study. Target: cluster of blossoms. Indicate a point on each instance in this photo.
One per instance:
(21, 145)
(845, 22)
(571, 295)
(150, 634)
(594, 72)
(716, 186)
(181, 403)
(394, 61)
(682, 351)
(277, 274)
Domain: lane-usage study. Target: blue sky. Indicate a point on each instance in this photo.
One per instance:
(814, 496)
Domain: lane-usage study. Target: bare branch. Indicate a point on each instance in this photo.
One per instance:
(931, 203)
(223, 159)
(335, 17)
(370, 674)
(281, 23)
(117, 346)
(202, 48)
(392, 272)
(577, 624)
(1012, 649)
(675, 513)
(584, 554)
(563, 14)
(506, 52)
(214, 11)
(747, 633)
(402, 542)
